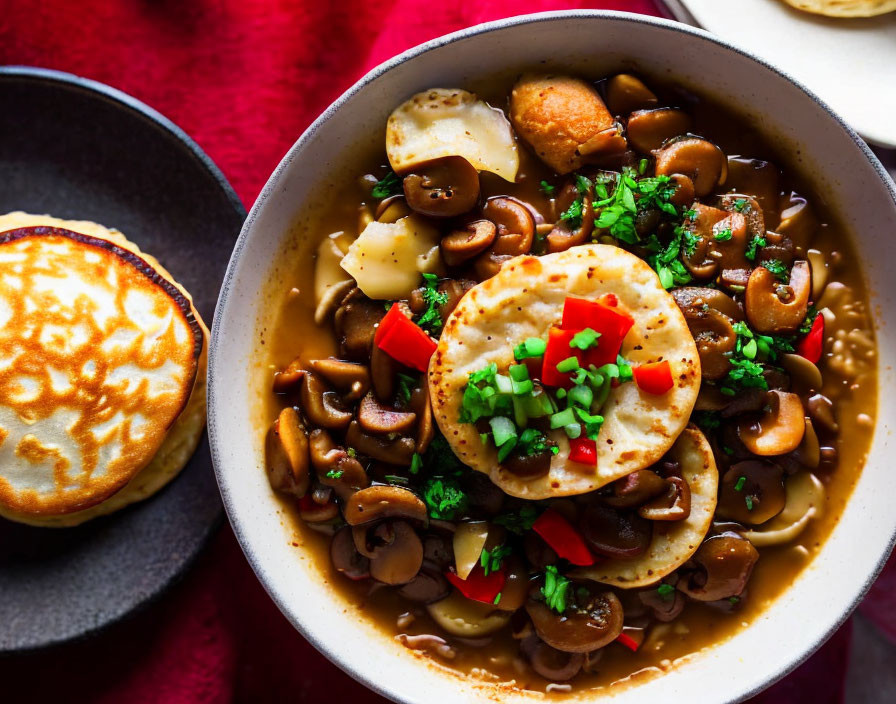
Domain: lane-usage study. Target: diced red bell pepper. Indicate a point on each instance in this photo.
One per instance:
(404, 341)
(654, 378)
(602, 316)
(811, 345)
(478, 586)
(628, 642)
(583, 450)
(557, 532)
(556, 351)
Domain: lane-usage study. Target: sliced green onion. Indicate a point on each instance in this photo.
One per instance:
(531, 347)
(584, 339)
(570, 364)
(416, 463)
(503, 384)
(562, 418)
(506, 449)
(581, 396)
(521, 388)
(560, 393)
(484, 438)
(749, 350)
(739, 485)
(609, 370)
(503, 430)
(573, 430)
(518, 372)
(519, 412)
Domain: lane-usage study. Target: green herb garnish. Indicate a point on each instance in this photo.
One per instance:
(723, 235)
(531, 347)
(666, 592)
(335, 474)
(554, 589)
(431, 319)
(387, 186)
(444, 498)
(547, 188)
(518, 522)
(757, 243)
(405, 384)
(739, 485)
(777, 268)
(584, 339)
(491, 559)
(416, 464)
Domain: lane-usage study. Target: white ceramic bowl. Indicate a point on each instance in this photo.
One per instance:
(592, 42)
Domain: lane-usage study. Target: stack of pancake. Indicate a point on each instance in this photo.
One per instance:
(102, 372)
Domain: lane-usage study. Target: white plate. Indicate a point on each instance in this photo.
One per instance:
(850, 63)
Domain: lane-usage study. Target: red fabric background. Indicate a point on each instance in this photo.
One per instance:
(244, 78)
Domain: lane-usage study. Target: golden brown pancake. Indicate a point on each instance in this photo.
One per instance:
(100, 353)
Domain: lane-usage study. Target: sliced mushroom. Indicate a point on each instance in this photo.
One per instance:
(399, 451)
(818, 265)
(465, 243)
(454, 289)
(287, 379)
(805, 500)
(355, 324)
(673, 505)
(709, 314)
(443, 187)
(684, 190)
(663, 607)
(330, 300)
(400, 557)
(378, 418)
(428, 586)
(350, 378)
(488, 264)
(751, 492)
(627, 93)
(780, 428)
(287, 454)
(698, 159)
(798, 221)
(516, 586)
(805, 377)
(747, 206)
(514, 222)
(615, 533)
(759, 179)
(345, 558)
(379, 502)
(528, 466)
(425, 427)
(552, 664)
(774, 308)
(392, 209)
(335, 467)
(711, 255)
(821, 410)
(383, 371)
(538, 553)
(808, 454)
(321, 404)
(592, 621)
(724, 564)
(562, 236)
(318, 507)
(466, 618)
(648, 130)
(635, 489)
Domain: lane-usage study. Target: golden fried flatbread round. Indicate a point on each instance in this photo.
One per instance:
(102, 389)
(673, 543)
(524, 300)
(845, 8)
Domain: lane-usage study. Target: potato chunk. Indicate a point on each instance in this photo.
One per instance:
(563, 119)
(387, 258)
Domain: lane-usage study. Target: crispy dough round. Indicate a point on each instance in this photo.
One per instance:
(524, 300)
(673, 543)
(845, 8)
(556, 115)
(179, 439)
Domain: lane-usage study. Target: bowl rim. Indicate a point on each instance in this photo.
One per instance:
(270, 187)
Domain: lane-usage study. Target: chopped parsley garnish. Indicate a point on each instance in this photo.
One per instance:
(748, 500)
(387, 186)
(532, 442)
(642, 166)
(723, 235)
(351, 452)
(617, 211)
(574, 214)
(497, 599)
(739, 485)
(431, 320)
(405, 383)
(554, 589)
(335, 474)
(741, 204)
(531, 347)
(757, 243)
(689, 241)
(518, 522)
(547, 188)
(584, 339)
(666, 592)
(416, 464)
(491, 559)
(667, 260)
(734, 600)
(777, 268)
(444, 498)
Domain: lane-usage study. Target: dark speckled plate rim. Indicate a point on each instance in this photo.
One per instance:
(154, 119)
(691, 33)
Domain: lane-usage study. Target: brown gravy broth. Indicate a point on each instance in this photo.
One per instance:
(850, 381)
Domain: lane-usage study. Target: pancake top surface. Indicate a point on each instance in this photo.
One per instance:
(524, 299)
(98, 356)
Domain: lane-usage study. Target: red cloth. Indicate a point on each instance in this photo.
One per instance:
(244, 78)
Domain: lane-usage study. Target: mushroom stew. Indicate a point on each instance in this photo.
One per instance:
(485, 483)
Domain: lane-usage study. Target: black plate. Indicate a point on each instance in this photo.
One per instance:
(78, 149)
